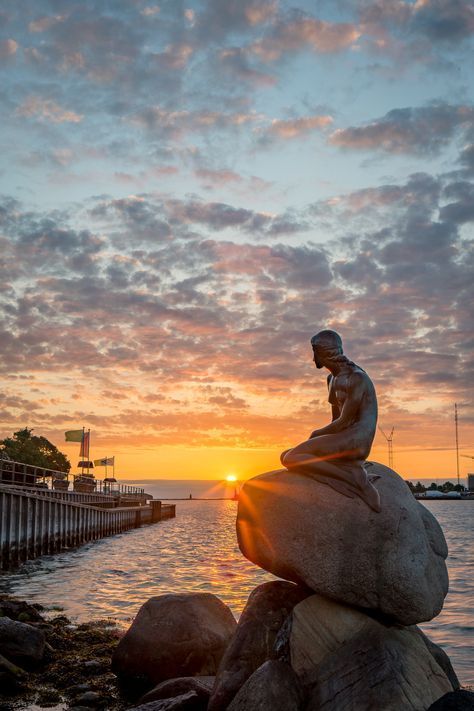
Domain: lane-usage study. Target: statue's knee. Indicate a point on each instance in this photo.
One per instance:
(283, 456)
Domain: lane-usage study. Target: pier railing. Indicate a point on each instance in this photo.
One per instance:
(28, 475)
(35, 523)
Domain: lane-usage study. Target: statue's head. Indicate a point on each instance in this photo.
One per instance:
(326, 346)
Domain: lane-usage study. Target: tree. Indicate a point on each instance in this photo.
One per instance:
(27, 448)
(419, 488)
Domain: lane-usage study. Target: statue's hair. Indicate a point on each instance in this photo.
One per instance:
(331, 343)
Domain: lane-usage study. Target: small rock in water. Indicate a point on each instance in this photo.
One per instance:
(48, 697)
(95, 666)
(19, 610)
(392, 562)
(90, 698)
(201, 685)
(174, 636)
(21, 643)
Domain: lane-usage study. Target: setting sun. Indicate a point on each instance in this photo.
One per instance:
(231, 477)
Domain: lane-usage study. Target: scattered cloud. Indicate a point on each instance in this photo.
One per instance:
(294, 128)
(8, 48)
(423, 130)
(301, 32)
(47, 110)
(45, 23)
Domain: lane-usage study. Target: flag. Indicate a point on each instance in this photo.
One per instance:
(85, 443)
(105, 462)
(74, 435)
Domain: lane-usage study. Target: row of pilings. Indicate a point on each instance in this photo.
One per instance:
(34, 524)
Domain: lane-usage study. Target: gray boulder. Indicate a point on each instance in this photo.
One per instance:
(272, 687)
(21, 643)
(440, 657)
(201, 685)
(348, 660)
(174, 636)
(252, 644)
(392, 562)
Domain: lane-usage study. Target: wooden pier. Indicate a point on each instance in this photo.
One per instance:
(38, 521)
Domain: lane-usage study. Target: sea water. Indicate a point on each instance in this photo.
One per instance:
(197, 551)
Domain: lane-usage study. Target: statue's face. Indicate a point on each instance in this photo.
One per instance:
(317, 355)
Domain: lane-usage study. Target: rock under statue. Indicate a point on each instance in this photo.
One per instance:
(335, 454)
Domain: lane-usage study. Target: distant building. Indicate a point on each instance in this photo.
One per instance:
(470, 482)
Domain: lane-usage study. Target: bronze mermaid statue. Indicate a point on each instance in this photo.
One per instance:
(336, 454)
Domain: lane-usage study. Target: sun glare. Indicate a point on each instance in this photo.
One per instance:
(231, 477)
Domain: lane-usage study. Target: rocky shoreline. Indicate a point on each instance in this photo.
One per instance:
(262, 663)
(58, 663)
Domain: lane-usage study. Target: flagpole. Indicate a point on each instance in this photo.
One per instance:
(88, 450)
(81, 451)
(106, 467)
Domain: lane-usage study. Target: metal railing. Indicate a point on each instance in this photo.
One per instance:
(28, 475)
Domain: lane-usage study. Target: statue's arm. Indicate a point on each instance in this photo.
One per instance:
(348, 415)
(334, 409)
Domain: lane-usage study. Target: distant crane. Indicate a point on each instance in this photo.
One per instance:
(457, 438)
(389, 439)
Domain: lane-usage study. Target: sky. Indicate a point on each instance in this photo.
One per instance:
(190, 190)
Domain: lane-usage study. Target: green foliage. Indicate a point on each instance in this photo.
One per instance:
(419, 488)
(29, 449)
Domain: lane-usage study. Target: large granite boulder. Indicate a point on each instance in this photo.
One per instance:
(252, 644)
(174, 636)
(392, 562)
(272, 687)
(21, 643)
(347, 659)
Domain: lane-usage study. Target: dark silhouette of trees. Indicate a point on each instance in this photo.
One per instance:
(27, 448)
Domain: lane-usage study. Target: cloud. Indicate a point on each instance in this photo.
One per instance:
(223, 324)
(174, 124)
(175, 56)
(294, 128)
(444, 20)
(47, 110)
(236, 62)
(217, 177)
(300, 32)
(8, 48)
(45, 23)
(221, 19)
(423, 130)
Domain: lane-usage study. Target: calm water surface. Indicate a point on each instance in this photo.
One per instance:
(197, 551)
